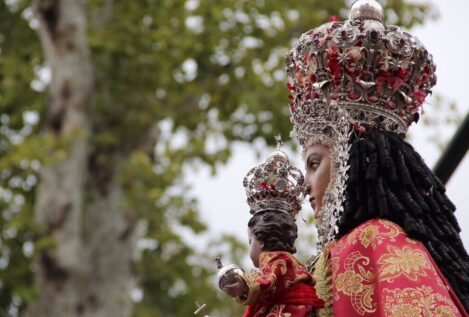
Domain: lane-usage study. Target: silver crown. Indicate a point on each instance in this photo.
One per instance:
(376, 75)
(275, 185)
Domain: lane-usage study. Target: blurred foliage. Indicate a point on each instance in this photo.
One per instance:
(189, 76)
(445, 116)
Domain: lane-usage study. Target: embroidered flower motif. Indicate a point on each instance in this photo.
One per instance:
(372, 233)
(277, 311)
(406, 261)
(405, 310)
(368, 234)
(349, 283)
(444, 311)
(420, 301)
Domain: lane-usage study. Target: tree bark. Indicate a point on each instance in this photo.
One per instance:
(89, 271)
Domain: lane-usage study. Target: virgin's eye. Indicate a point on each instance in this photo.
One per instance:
(313, 165)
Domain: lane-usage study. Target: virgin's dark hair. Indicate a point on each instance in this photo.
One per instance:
(277, 230)
(389, 180)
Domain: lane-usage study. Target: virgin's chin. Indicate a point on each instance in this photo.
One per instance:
(318, 217)
(317, 212)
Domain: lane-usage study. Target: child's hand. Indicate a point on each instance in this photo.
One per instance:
(238, 288)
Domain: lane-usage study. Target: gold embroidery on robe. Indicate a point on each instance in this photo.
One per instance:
(374, 235)
(357, 282)
(419, 302)
(412, 263)
(377, 271)
(323, 276)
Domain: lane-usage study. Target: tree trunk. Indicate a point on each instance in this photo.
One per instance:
(88, 272)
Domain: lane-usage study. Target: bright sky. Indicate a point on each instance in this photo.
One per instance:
(222, 198)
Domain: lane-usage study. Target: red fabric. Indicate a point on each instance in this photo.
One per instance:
(300, 294)
(283, 287)
(378, 271)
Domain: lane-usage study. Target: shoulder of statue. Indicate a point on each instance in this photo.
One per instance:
(379, 224)
(269, 256)
(371, 235)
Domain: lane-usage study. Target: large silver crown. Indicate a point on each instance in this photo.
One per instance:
(373, 74)
(275, 185)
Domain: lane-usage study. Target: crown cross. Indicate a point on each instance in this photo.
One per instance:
(278, 139)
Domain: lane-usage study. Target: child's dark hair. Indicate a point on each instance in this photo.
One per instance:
(277, 230)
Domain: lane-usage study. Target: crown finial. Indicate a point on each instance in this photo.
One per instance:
(278, 139)
(366, 10)
(278, 154)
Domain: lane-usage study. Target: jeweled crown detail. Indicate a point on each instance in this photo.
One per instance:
(378, 74)
(275, 185)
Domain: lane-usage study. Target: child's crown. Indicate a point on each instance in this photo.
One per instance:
(275, 185)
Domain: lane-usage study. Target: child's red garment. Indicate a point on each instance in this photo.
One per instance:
(282, 288)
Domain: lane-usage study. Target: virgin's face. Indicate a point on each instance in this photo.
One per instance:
(255, 248)
(318, 175)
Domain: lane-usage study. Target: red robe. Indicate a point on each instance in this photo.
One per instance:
(282, 288)
(377, 271)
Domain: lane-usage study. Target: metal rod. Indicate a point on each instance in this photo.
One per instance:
(454, 152)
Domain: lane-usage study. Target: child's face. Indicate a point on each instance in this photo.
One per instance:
(255, 248)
